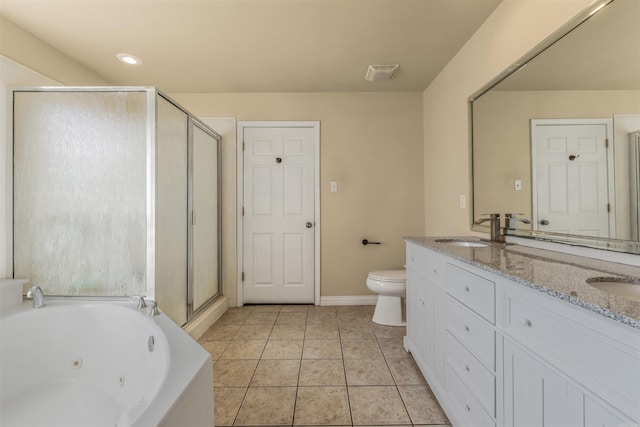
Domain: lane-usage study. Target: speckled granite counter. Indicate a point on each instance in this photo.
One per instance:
(559, 275)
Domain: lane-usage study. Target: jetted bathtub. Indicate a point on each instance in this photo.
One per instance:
(85, 363)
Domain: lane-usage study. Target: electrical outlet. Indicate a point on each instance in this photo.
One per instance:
(463, 201)
(518, 184)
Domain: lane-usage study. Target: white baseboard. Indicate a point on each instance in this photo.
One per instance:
(198, 326)
(350, 300)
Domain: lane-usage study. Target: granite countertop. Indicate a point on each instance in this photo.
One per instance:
(554, 273)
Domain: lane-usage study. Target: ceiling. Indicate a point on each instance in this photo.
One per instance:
(255, 45)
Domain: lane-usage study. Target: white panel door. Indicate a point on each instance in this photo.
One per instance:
(571, 179)
(278, 221)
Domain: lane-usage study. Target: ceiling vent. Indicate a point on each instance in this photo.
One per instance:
(378, 73)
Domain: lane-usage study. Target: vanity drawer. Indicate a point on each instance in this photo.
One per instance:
(476, 377)
(605, 359)
(475, 333)
(474, 291)
(426, 262)
(465, 402)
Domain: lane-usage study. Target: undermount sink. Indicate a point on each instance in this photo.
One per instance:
(626, 287)
(465, 243)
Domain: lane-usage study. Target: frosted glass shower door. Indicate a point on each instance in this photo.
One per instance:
(79, 191)
(171, 210)
(205, 217)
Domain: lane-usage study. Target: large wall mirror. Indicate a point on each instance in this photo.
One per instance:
(556, 139)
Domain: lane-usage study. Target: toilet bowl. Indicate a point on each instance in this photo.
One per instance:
(390, 285)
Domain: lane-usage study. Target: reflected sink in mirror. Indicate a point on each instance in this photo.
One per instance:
(626, 287)
(465, 243)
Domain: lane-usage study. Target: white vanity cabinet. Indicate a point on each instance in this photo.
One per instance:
(498, 353)
(426, 312)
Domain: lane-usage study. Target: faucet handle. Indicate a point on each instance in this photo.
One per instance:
(514, 217)
(141, 301)
(154, 310)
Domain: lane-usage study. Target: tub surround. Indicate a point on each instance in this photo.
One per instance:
(556, 274)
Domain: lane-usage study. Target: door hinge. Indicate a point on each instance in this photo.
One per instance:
(242, 277)
(243, 211)
(606, 143)
(608, 207)
(242, 145)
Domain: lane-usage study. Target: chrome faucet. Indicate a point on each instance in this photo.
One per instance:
(496, 236)
(511, 219)
(35, 293)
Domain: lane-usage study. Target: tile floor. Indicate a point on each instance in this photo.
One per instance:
(310, 365)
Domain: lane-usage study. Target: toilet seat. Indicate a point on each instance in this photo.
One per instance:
(390, 276)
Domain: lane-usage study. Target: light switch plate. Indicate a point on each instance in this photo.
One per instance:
(334, 186)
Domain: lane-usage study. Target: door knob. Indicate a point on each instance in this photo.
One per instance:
(544, 222)
(309, 224)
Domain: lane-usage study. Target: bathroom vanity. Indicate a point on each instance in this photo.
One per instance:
(508, 335)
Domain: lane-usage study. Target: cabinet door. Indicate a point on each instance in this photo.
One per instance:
(416, 313)
(597, 414)
(535, 395)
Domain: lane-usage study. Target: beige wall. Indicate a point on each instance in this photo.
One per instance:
(371, 144)
(514, 28)
(24, 48)
(502, 150)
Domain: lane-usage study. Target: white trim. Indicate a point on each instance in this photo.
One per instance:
(350, 300)
(611, 192)
(197, 326)
(240, 187)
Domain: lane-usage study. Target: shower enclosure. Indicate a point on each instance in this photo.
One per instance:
(116, 192)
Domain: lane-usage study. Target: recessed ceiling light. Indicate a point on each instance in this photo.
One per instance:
(128, 59)
(376, 73)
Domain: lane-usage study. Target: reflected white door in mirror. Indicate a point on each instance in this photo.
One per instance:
(572, 174)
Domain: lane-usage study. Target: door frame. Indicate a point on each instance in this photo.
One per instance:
(240, 197)
(610, 161)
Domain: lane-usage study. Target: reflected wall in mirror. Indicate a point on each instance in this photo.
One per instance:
(561, 129)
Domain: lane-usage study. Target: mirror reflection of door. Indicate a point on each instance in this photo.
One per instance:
(572, 176)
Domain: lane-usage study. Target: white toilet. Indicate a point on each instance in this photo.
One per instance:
(390, 285)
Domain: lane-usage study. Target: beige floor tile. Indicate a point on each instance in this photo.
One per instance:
(377, 405)
(367, 372)
(220, 332)
(215, 348)
(321, 349)
(233, 373)
(383, 331)
(356, 331)
(322, 372)
(244, 349)
(362, 349)
(352, 315)
(405, 372)
(233, 317)
(392, 348)
(295, 308)
(253, 332)
(292, 318)
(266, 307)
(322, 316)
(322, 331)
(276, 373)
(227, 402)
(267, 406)
(287, 332)
(261, 318)
(322, 406)
(283, 349)
(422, 405)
